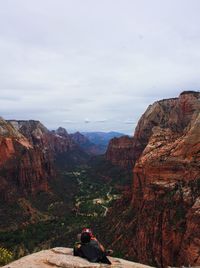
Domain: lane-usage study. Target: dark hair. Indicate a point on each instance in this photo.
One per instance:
(85, 237)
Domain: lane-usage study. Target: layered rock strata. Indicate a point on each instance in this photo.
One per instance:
(28, 156)
(164, 213)
(174, 114)
(121, 152)
(24, 168)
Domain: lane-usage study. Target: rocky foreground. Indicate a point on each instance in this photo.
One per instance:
(63, 258)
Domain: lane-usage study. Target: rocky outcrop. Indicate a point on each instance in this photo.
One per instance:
(57, 141)
(68, 152)
(23, 168)
(58, 144)
(121, 151)
(63, 258)
(29, 153)
(164, 212)
(89, 147)
(175, 114)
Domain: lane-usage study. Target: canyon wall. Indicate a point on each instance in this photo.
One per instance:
(30, 155)
(161, 224)
(24, 168)
(121, 152)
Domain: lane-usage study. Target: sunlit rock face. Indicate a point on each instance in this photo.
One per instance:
(165, 216)
(174, 114)
(38, 135)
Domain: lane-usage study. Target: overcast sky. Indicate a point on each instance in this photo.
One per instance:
(95, 64)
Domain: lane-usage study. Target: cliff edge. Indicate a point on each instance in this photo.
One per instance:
(160, 225)
(63, 258)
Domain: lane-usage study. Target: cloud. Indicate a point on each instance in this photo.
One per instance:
(68, 122)
(87, 121)
(75, 60)
(131, 122)
(101, 121)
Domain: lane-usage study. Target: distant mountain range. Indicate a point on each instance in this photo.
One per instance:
(102, 139)
(30, 154)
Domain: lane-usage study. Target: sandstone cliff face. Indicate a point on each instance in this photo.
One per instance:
(165, 208)
(121, 152)
(173, 113)
(29, 153)
(61, 141)
(23, 167)
(57, 144)
(38, 135)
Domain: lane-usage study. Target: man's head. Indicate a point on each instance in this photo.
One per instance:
(85, 237)
(87, 230)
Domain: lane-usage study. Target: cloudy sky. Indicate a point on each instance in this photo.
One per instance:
(95, 64)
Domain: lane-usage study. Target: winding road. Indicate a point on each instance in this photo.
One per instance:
(99, 201)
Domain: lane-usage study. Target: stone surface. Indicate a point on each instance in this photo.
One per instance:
(63, 258)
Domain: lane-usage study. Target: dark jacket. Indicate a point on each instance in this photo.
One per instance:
(92, 252)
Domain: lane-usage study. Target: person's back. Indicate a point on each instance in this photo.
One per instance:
(90, 250)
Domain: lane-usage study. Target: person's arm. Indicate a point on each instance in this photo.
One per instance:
(76, 249)
(99, 244)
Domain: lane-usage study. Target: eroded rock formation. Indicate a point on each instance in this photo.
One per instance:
(121, 151)
(175, 114)
(23, 168)
(29, 153)
(161, 226)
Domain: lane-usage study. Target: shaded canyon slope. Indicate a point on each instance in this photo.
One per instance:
(121, 152)
(24, 168)
(101, 139)
(86, 144)
(160, 224)
(29, 156)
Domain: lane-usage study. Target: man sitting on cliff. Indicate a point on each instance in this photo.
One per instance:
(90, 248)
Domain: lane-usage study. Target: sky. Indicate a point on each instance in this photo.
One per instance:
(95, 65)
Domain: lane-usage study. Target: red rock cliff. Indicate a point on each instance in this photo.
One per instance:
(163, 225)
(28, 152)
(121, 152)
(23, 168)
(173, 113)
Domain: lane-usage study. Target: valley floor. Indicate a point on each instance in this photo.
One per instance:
(78, 198)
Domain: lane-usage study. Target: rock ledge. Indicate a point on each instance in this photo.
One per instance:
(63, 258)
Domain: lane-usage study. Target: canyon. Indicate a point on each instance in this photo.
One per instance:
(28, 153)
(154, 219)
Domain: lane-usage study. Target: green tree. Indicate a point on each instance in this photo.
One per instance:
(5, 256)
